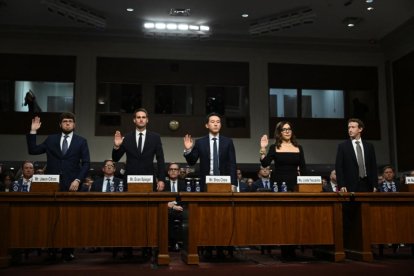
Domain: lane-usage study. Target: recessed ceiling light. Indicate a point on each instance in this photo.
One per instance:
(245, 15)
(370, 8)
(369, 1)
(130, 9)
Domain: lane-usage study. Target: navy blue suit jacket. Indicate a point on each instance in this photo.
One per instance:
(142, 163)
(17, 186)
(346, 166)
(98, 183)
(227, 158)
(73, 165)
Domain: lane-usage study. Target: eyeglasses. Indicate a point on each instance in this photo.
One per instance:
(67, 121)
(286, 129)
(141, 117)
(174, 169)
(109, 166)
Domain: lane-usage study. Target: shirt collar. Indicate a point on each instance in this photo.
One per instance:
(210, 136)
(144, 132)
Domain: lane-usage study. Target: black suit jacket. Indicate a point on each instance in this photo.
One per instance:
(98, 183)
(181, 186)
(328, 188)
(73, 165)
(346, 166)
(142, 163)
(227, 158)
(258, 185)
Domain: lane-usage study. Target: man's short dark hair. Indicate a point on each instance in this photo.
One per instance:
(106, 161)
(358, 121)
(67, 115)
(387, 167)
(141, 109)
(212, 114)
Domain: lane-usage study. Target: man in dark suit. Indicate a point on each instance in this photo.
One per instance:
(263, 184)
(107, 183)
(356, 165)
(331, 186)
(241, 184)
(203, 149)
(24, 183)
(174, 184)
(140, 147)
(67, 155)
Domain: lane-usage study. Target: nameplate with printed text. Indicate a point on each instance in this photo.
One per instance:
(140, 179)
(46, 178)
(218, 179)
(309, 180)
(409, 180)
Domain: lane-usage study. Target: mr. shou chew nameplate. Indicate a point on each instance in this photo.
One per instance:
(218, 179)
(46, 178)
(409, 180)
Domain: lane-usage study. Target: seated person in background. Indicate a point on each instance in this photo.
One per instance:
(7, 179)
(175, 210)
(389, 184)
(24, 183)
(87, 184)
(263, 184)
(331, 186)
(241, 184)
(249, 183)
(107, 183)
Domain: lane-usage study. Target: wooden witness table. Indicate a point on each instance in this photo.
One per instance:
(243, 219)
(61, 220)
(379, 218)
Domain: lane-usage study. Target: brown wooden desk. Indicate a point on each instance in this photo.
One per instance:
(54, 220)
(242, 219)
(380, 218)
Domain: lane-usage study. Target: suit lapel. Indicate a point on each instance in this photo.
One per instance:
(351, 149)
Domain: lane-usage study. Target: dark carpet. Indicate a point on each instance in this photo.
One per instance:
(244, 262)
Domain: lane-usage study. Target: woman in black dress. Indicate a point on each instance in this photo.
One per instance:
(287, 154)
(289, 161)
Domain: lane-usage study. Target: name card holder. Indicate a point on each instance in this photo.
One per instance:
(140, 183)
(409, 184)
(309, 184)
(218, 184)
(43, 183)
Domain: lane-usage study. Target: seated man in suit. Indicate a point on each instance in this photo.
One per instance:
(175, 210)
(107, 183)
(263, 184)
(389, 183)
(24, 183)
(331, 186)
(241, 184)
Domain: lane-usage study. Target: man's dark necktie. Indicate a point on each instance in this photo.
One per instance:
(173, 186)
(140, 143)
(108, 184)
(360, 160)
(266, 184)
(65, 144)
(216, 170)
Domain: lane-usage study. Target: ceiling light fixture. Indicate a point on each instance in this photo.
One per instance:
(76, 12)
(370, 8)
(176, 29)
(130, 9)
(245, 15)
(352, 21)
(285, 20)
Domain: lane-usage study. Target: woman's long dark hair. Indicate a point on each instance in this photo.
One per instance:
(278, 136)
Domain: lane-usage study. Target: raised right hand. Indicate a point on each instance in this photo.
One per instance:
(188, 142)
(35, 124)
(118, 139)
(264, 141)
